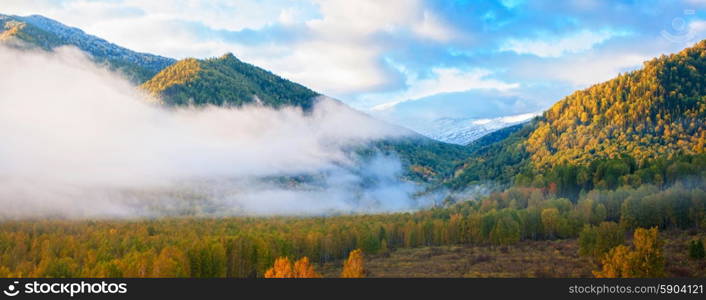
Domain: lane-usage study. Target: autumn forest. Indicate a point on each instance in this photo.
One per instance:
(608, 182)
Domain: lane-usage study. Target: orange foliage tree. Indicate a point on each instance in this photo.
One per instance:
(354, 266)
(283, 268)
(304, 269)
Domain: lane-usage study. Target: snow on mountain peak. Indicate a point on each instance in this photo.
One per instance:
(465, 130)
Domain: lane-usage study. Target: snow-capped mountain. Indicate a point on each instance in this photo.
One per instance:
(463, 131)
(45, 33)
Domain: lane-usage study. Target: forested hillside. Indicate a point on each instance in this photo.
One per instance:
(40, 32)
(247, 247)
(657, 111)
(621, 158)
(222, 81)
(646, 126)
(226, 81)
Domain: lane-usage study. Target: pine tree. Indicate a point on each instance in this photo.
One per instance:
(696, 249)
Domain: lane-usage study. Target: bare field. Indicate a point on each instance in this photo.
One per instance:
(540, 259)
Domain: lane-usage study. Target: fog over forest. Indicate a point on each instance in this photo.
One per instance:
(90, 144)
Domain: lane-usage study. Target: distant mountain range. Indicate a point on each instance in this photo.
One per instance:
(646, 126)
(224, 81)
(47, 34)
(463, 131)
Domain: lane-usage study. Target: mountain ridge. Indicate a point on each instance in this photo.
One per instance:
(628, 130)
(47, 34)
(221, 81)
(226, 81)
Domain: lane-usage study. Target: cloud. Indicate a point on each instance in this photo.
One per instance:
(88, 144)
(330, 68)
(370, 52)
(443, 80)
(601, 68)
(433, 28)
(555, 47)
(340, 54)
(337, 53)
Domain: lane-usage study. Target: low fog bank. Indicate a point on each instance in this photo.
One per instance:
(80, 141)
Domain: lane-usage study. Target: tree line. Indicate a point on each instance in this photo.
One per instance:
(249, 246)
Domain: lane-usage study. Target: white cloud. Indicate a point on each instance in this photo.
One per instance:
(335, 68)
(228, 15)
(344, 19)
(337, 57)
(445, 80)
(87, 144)
(555, 47)
(345, 59)
(695, 30)
(431, 27)
(585, 71)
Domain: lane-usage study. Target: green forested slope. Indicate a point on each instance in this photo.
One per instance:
(226, 81)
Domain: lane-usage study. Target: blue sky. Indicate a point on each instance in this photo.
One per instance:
(405, 60)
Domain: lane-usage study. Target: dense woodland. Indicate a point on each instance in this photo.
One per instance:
(248, 247)
(610, 166)
(653, 112)
(226, 81)
(641, 127)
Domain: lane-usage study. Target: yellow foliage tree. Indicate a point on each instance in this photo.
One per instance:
(283, 268)
(644, 260)
(304, 269)
(550, 220)
(354, 266)
(171, 262)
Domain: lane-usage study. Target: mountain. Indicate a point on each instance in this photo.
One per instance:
(646, 126)
(226, 81)
(44, 33)
(463, 131)
(497, 157)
